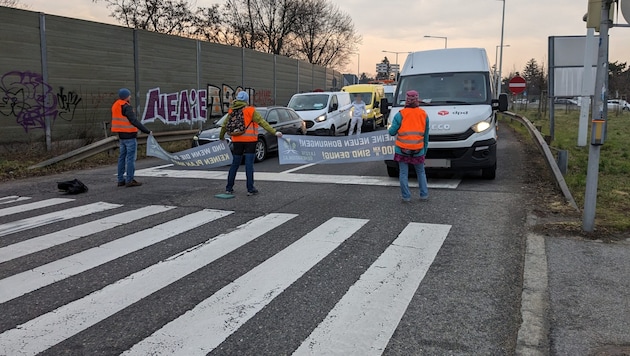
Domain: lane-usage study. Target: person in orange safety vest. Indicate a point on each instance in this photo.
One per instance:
(125, 124)
(245, 144)
(411, 128)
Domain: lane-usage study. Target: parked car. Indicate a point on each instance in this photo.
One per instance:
(618, 104)
(280, 118)
(565, 101)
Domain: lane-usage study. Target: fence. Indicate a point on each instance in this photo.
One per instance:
(59, 77)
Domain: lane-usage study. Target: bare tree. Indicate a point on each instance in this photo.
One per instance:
(13, 3)
(325, 35)
(173, 17)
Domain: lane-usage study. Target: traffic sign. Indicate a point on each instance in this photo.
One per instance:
(517, 85)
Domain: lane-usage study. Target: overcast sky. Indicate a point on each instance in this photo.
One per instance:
(400, 26)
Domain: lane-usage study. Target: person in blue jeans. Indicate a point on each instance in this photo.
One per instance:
(411, 128)
(125, 124)
(244, 144)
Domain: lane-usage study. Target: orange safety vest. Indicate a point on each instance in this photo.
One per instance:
(251, 127)
(120, 123)
(412, 127)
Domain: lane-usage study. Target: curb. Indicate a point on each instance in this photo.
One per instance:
(532, 338)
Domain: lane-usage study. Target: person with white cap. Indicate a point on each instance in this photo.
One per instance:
(245, 143)
(125, 124)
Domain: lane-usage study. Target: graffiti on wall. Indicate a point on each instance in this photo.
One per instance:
(175, 108)
(25, 96)
(67, 104)
(220, 98)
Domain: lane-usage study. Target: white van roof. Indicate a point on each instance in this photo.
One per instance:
(446, 60)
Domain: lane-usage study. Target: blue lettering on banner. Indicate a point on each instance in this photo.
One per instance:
(371, 146)
(214, 154)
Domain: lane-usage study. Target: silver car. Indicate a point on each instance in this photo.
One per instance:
(283, 119)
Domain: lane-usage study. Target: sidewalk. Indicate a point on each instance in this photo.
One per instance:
(576, 297)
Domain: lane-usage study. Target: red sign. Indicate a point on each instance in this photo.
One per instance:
(442, 112)
(517, 85)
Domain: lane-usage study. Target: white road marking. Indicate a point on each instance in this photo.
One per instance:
(204, 327)
(364, 320)
(49, 329)
(298, 168)
(60, 215)
(12, 199)
(40, 243)
(32, 206)
(294, 178)
(28, 281)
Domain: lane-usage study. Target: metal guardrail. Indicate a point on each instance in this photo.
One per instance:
(111, 143)
(546, 151)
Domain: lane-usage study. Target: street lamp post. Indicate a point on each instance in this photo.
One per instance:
(496, 64)
(501, 45)
(442, 37)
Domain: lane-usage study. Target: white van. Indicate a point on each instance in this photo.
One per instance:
(325, 113)
(390, 91)
(457, 92)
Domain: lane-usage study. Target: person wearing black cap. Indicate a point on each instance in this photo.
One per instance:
(125, 124)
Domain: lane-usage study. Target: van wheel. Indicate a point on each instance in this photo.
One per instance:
(332, 131)
(392, 172)
(489, 173)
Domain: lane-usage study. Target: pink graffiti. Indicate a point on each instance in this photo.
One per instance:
(175, 108)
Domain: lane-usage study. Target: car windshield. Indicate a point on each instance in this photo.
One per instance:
(366, 97)
(446, 88)
(308, 102)
(389, 97)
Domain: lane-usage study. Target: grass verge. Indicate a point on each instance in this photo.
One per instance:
(613, 194)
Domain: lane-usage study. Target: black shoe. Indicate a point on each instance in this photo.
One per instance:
(121, 184)
(133, 183)
(253, 192)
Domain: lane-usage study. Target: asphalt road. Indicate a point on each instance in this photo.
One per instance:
(306, 266)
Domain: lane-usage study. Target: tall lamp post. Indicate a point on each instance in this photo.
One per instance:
(496, 64)
(442, 37)
(501, 45)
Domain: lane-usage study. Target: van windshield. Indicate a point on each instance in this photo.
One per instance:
(308, 102)
(366, 97)
(467, 88)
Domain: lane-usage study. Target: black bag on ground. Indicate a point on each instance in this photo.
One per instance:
(74, 186)
(236, 123)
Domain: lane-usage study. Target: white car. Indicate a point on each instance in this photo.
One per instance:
(618, 104)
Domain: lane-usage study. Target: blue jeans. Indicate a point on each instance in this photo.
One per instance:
(404, 180)
(127, 159)
(249, 171)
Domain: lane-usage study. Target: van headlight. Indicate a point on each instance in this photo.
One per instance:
(320, 118)
(368, 111)
(482, 126)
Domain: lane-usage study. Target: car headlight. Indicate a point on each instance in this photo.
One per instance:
(368, 111)
(321, 118)
(482, 126)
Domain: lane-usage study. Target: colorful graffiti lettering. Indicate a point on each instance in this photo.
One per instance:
(175, 108)
(67, 104)
(25, 96)
(220, 98)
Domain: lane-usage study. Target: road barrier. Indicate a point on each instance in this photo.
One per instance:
(549, 158)
(111, 143)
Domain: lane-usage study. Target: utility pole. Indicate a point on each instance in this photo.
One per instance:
(599, 116)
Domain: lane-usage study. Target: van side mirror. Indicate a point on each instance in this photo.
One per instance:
(333, 107)
(384, 106)
(500, 104)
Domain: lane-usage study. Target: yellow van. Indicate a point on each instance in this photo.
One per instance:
(373, 96)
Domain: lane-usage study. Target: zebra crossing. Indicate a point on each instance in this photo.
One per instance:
(378, 298)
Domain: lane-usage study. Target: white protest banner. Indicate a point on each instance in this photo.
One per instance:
(371, 146)
(214, 154)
